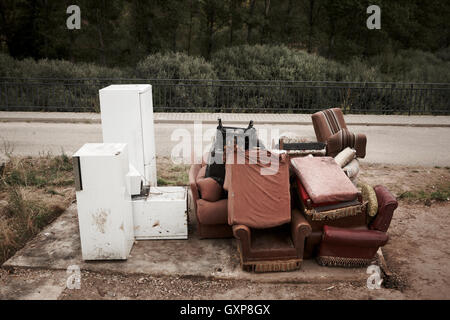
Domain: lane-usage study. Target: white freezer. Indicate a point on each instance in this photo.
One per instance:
(162, 214)
(104, 203)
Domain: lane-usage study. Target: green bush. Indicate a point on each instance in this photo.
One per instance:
(174, 66)
(58, 96)
(258, 62)
(265, 62)
(179, 66)
(412, 66)
(444, 54)
(61, 69)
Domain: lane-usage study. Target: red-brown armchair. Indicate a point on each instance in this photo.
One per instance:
(330, 128)
(349, 247)
(212, 216)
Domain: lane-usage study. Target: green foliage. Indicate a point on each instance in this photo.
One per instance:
(34, 191)
(412, 66)
(440, 193)
(267, 62)
(174, 66)
(245, 62)
(22, 219)
(179, 66)
(41, 172)
(61, 69)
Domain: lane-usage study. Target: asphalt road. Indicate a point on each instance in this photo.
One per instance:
(421, 146)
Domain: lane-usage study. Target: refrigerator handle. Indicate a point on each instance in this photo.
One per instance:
(77, 173)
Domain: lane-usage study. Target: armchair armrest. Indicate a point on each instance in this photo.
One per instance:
(193, 171)
(243, 234)
(387, 204)
(300, 229)
(344, 138)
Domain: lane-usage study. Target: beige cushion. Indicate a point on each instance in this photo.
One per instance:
(369, 195)
(352, 169)
(345, 156)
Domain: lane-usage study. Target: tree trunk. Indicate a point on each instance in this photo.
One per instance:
(287, 22)
(266, 22)
(190, 29)
(211, 18)
(100, 39)
(232, 12)
(250, 23)
(311, 24)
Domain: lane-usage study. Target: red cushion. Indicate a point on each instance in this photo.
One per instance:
(212, 212)
(354, 237)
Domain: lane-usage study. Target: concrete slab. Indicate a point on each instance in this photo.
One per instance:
(42, 285)
(58, 246)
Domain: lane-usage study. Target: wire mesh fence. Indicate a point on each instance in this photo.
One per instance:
(246, 96)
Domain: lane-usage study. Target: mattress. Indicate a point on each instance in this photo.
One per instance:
(324, 181)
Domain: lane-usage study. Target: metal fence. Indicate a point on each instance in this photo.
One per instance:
(179, 95)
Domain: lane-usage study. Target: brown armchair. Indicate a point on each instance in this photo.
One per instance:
(273, 249)
(212, 216)
(270, 236)
(347, 247)
(330, 128)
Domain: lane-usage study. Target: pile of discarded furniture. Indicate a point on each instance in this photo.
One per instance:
(282, 205)
(307, 206)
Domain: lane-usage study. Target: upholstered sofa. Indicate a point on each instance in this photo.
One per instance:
(330, 128)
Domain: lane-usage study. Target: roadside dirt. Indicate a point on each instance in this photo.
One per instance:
(417, 254)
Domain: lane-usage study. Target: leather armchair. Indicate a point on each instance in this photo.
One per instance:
(273, 249)
(357, 247)
(212, 217)
(330, 128)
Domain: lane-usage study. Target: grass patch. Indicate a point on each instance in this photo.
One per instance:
(39, 172)
(33, 192)
(170, 174)
(436, 193)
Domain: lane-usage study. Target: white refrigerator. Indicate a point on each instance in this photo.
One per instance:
(105, 212)
(127, 116)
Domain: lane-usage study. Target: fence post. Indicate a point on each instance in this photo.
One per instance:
(392, 96)
(410, 102)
